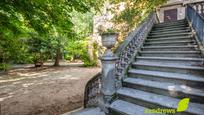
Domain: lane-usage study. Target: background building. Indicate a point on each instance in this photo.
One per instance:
(175, 10)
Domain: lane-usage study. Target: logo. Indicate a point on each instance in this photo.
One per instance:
(182, 106)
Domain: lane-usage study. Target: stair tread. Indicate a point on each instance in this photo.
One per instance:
(127, 108)
(179, 31)
(170, 25)
(179, 66)
(166, 86)
(169, 38)
(160, 42)
(172, 75)
(177, 21)
(171, 58)
(184, 46)
(171, 29)
(161, 100)
(177, 34)
(167, 52)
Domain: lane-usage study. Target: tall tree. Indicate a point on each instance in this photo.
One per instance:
(49, 18)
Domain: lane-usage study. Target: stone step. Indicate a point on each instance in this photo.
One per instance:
(171, 29)
(166, 67)
(120, 107)
(170, 53)
(172, 26)
(170, 23)
(152, 100)
(166, 88)
(170, 48)
(179, 78)
(171, 60)
(170, 39)
(182, 35)
(87, 111)
(170, 32)
(172, 43)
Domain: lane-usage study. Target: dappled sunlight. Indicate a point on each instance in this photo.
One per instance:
(172, 90)
(74, 78)
(18, 82)
(27, 84)
(65, 77)
(3, 98)
(186, 88)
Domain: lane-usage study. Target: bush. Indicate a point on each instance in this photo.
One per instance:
(79, 50)
(4, 67)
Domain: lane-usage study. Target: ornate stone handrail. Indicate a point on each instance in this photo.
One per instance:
(129, 48)
(196, 22)
(92, 91)
(126, 52)
(199, 7)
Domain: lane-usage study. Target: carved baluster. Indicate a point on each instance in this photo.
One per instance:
(202, 8)
(108, 70)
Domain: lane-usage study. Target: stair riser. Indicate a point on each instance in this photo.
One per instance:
(169, 24)
(171, 80)
(182, 62)
(167, 40)
(177, 94)
(168, 69)
(192, 55)
(168, 44)
(172, 26)
(144, 103)
(168, 30)
(138, 101)
(169, 49)
(115, 112)
(169, 36)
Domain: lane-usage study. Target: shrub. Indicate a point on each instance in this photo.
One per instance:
(4, 67)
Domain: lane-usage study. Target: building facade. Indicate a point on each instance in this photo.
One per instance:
(174, 10)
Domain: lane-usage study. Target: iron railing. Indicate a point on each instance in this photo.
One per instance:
(197, 22)
(126, 52)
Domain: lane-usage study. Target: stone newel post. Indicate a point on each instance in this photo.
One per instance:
(108, 67)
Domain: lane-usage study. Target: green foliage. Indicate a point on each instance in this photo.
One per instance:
(38, 48)
(135, 12)
(4, 67)
(52, 22)
(79, 50)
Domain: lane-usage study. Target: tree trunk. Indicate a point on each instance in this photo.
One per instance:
(57, 57)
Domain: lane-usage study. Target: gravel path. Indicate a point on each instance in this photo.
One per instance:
(48, 91)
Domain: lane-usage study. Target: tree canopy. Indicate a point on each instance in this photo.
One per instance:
(31, 28)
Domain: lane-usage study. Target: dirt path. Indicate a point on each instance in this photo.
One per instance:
(50, 91)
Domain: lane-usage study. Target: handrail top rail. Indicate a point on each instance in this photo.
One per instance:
(190, 6)
(196, 2)
(131, 35)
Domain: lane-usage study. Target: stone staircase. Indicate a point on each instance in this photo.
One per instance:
(168, 68)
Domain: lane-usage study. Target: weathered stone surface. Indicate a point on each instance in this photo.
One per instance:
(88, 111)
